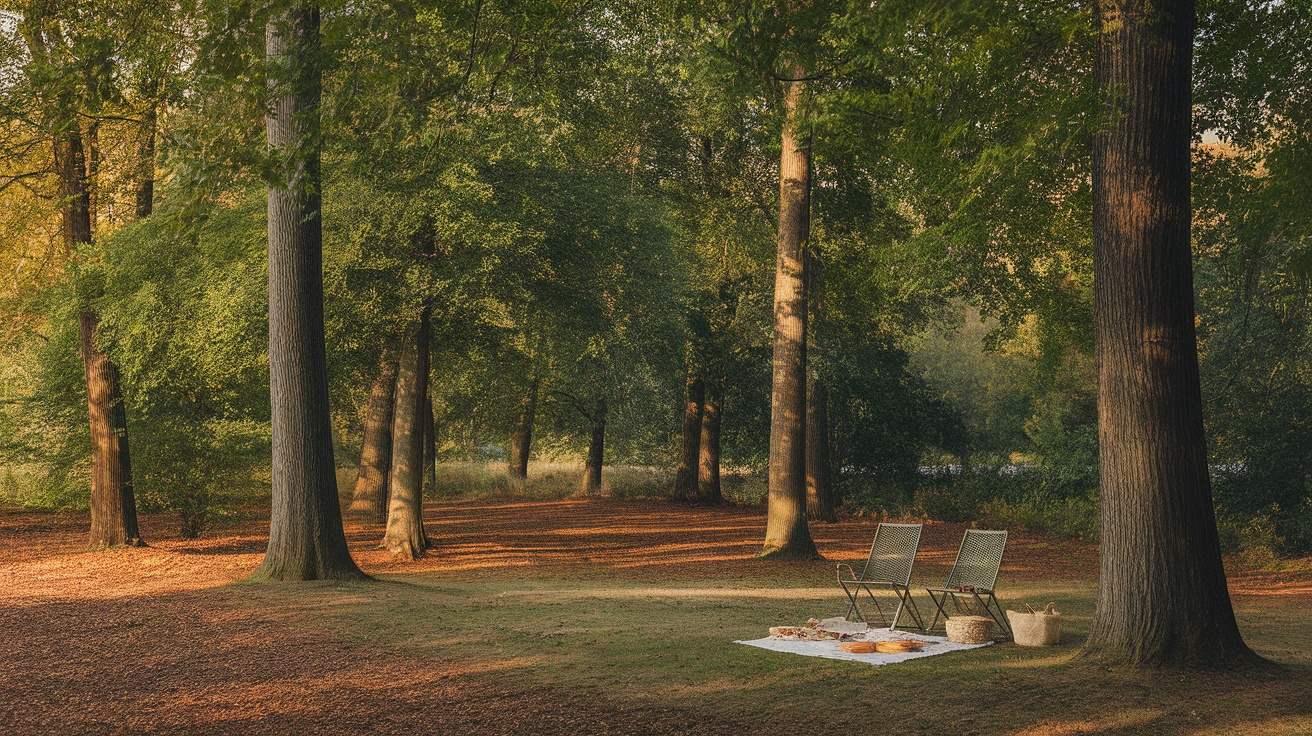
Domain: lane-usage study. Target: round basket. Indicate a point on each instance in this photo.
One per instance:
(970, 629)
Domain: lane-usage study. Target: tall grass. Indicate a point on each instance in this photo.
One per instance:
(554, 480)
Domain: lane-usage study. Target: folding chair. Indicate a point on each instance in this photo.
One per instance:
(888, 566)
(973, 576)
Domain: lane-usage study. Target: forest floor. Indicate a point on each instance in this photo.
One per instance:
(573, 617)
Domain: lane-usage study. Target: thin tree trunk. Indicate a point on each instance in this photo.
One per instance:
(113, 503)
(370, 497)
(819, 492)
(708, 468)
(1162, 596)
(306, 541)
(786, 533)
(93, 172)
(685, 478)
(430, 444)
(522, 438)
(405, 535)
(596, 450)
(146, 162)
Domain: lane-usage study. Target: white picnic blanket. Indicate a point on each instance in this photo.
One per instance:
(830, 650)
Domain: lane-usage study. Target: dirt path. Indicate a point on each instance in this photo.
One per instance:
(154, 640)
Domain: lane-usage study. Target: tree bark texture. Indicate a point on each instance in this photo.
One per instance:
(113, 503)
(405, 535)
(370, 497)
(708, 467)
(786, 533)
(521, 439)
(306, 541)
(1162, 596)
(596, 450)
(819, 492)
(146, 162)
(685, 478)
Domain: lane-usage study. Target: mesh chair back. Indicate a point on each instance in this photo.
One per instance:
(892, 553)
(978, 559)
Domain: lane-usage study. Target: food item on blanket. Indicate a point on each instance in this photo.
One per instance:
(804, 633)
(898, 647)
(858, 647)
(812, 634)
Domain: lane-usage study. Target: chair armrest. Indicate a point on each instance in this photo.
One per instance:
(839, 572)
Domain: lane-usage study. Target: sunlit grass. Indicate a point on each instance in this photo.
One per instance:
(671, 645)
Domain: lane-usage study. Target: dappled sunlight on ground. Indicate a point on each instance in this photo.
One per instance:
(594, 599)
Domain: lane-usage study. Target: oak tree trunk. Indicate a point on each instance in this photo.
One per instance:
(708, 468)
(113, 503)
(405, 535)
(146, 162)
(306, 541)
(1162, 596)
(786, 533)
(819, 492)
(370, 497)
(522, 438)
(596, 450)
(685, 478)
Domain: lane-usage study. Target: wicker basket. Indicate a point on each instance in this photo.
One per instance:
(970, 629)
(1036, 628)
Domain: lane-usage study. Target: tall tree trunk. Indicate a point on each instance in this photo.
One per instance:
(113, 503)
(430, 444)
(708, 467)
(685, 478)
(522, 438)
(306, 541)
(596, 450)
(405, 535)
(1162, 597)
(146, 162)
(786, 533)
(370, 495)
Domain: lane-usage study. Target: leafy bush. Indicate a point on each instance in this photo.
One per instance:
(1068, 518)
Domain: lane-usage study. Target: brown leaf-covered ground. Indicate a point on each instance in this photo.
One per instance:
(158, 640)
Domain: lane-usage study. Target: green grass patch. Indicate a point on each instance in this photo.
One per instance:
(671, 644)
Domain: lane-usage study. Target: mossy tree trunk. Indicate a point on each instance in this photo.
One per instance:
(1162, 596)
